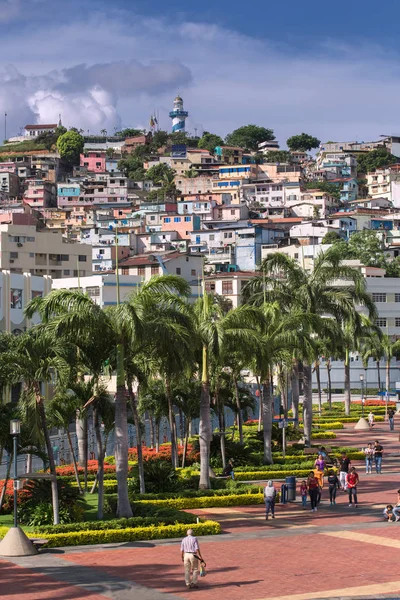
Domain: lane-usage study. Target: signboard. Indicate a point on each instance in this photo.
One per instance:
(178, 151)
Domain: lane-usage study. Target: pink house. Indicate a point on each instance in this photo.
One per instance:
(94, 161)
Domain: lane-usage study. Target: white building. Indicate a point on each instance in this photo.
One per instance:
(16, 290)
(33, 131)
(101, 288)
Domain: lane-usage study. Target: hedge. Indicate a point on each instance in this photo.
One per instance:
(322, 425)
(130, 534)
(333, 420)
(323, 435)
(255, 475)
(208, 501)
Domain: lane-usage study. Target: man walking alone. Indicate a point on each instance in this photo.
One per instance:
(391, 419)
(190, 550)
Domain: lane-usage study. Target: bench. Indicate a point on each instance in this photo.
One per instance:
(38, 542)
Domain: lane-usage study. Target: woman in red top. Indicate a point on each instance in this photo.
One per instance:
(352, 480)
(313, 488)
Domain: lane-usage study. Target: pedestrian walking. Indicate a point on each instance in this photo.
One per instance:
(191, 554)
(352, 480)
(313, 487)
(369, 455)
(391, 419)
(371, 419)
(320, 463)
(334, 485)
(269, 499)
(378, 454)
(344, 469)
(319, 476)
(303, 493)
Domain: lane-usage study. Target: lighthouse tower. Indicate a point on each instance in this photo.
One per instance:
(178, 115)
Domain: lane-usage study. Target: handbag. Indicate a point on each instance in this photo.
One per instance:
(203, 565)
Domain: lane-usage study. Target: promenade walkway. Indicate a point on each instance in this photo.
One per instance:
(338, 552)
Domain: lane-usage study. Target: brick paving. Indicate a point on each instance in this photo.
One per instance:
(331, 554)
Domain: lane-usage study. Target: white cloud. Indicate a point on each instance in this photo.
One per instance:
(133, 66)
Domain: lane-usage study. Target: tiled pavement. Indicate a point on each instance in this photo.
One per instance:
(338, 552)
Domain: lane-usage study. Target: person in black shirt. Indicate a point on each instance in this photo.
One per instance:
(391, 419)
(378, 453)
(344, 469)
(334, 484)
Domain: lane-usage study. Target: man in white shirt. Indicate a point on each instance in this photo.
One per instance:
(190, 551)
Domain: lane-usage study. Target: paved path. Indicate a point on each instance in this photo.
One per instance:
(339, 552)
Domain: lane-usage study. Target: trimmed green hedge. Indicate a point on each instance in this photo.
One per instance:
(209, 501)
(130, 534)
(255, 475)
(323, 435)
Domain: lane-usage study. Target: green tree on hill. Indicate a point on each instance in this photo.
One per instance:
(70, 146)
(249, 136)
(281, 156)
(209, 141)
(302, 142)
(376, 159)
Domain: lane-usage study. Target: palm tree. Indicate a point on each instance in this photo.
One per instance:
(113, 331)
(390, 348)
(315, 292)
(38, 358)
(213, 330)
(371, 347)
(190, 173)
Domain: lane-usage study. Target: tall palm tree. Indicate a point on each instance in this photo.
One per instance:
(371, 348)
(330, 289)
(390, 348)
(114, 330)
(213, 329)
(38, 358)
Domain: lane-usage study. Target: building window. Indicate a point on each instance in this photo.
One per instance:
(397, 321)
(13, 255)
(36, 294)
(227, 287)
(66, 271)
(82, 258)
(210, 287)
(380, 322)
(177, 219)
(16, 298)
(155, 270)
(167, 220)
(212, 237)
(397, 297)
(93, 291)
(141, 271)
(378, 297)
(193, 272)
(65, 257)
(125, 271)
(178, 270)
(187, 219)
(152, 218)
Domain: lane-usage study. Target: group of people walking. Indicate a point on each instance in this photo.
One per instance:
(373, 454)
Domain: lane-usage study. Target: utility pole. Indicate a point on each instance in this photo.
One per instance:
(5, 125)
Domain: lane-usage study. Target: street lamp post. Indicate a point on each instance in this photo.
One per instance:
(15, 430)
(362, 393)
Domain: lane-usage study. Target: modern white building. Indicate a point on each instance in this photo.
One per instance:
(16, 290)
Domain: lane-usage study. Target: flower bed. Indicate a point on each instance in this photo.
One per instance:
(129, 534)
(68, 470)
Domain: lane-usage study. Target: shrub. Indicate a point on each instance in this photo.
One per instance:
(323, 435)
(129, 534)
(35, 502)
(209, 501)
(271, 474)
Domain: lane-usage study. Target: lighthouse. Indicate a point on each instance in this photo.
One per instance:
(178, 115)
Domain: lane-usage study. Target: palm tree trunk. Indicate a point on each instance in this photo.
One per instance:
(151, 427)
(318, 376)
(239, 411)
(205, 425)
(378, 365)
(181, 427)
(172, 424)
(328, 370)
(259, 403)
(267, 420)
(307, 403)
(76, 471)
(3, 491)
(28, 461)
(100, 464)
(388, 375)
(347, 390)
(157, 426)
(221, 419)
(295, 391)
(185, 445)
(133, 400)
(82, 437)
(50, 454)
(124, 509)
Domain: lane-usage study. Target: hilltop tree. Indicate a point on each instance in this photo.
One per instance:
(160, 139)
(160, 173)
(376, 159)
(129, 132)
(249, 136)
(132, 167)
(302, 142)
(209, 141)
(70, 146)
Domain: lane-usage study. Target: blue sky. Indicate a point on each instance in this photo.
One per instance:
(330, 70)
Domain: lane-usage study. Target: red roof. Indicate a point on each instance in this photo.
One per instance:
(54, 126)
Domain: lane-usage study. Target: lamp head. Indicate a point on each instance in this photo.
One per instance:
(15, 427)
